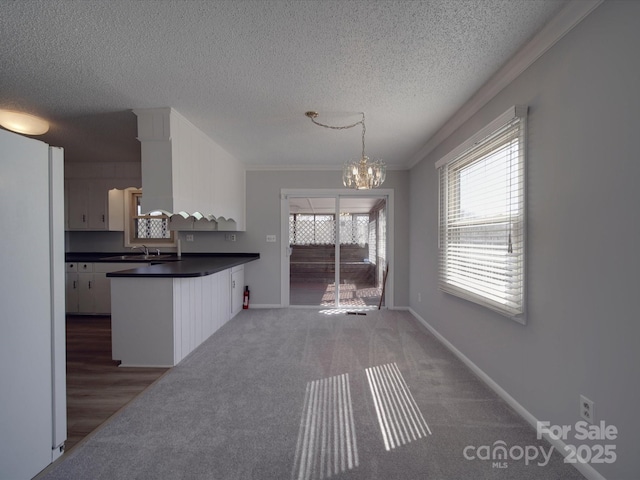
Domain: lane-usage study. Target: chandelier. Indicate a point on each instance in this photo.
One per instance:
(360, 174)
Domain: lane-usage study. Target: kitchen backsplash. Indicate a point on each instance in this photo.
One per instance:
(203, 242)
(94, 242)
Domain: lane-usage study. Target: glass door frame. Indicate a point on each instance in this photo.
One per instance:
(285, 251)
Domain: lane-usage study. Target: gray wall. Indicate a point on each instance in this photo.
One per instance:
(583, 235)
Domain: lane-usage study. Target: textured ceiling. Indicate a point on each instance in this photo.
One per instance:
(245, 72)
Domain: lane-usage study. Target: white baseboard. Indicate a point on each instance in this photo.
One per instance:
(269, 305)
(585, 469)
(133, 365)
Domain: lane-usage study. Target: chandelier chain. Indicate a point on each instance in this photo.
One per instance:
(345, 127)
(358, 174)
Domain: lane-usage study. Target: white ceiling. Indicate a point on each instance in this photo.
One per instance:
(245, 71)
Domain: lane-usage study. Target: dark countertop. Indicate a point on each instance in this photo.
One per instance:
(114, 257)
(189, 265)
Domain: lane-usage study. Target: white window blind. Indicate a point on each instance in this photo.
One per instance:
(482, 217)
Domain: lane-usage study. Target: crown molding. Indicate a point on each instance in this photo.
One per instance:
(268, 168)
(571, 15)
(307, 168)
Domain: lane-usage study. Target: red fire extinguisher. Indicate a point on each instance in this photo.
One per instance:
(245, 300)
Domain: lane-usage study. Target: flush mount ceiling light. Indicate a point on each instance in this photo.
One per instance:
(360, 174)
(23, 123)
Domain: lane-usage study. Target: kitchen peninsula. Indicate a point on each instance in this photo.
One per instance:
(161, 313)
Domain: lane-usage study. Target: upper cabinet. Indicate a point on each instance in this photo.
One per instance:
(84, 210)
(92, 206)
(90, 201)
(185, 172)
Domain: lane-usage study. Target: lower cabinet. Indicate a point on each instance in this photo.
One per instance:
(72, 288)
(237, 289)
(80, 288)
(88, 290)
(87, 293)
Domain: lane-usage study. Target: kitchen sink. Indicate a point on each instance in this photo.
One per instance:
(137, 258)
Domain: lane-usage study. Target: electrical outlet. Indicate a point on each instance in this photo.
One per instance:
(587, 409)
(189, 237)
(271, 238)
(419, 297)
(230, 237)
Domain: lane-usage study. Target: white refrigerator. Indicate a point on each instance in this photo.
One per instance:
(33, 419)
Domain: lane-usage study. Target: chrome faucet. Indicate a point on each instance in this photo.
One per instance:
(143, 248)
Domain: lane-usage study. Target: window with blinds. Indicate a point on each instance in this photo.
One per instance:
(482, 217)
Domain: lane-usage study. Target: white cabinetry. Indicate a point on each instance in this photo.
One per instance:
(91, 205)
(80, 288)
(71, 288)
(87, 186)
(237, 289)
(86, 205)
(88, 290)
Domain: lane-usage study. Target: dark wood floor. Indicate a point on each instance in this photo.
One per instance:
(96, 386)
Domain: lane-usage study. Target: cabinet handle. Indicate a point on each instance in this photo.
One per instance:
(233, 284)
(89, 284)
(74, 285)
(103, 218)
(84, 218)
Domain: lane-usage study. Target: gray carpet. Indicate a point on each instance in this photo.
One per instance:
(298, 394)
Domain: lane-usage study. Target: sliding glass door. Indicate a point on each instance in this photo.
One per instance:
(312, 240)
(362, 251)
(337, 250)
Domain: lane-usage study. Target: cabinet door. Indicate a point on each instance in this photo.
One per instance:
(86, 202)
(86, 287)
(77, 204)
(115, 210)
(71, 292)
(97, 197)
(237, 290)
(224, 296)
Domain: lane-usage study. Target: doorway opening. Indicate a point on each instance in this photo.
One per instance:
(337, 250)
